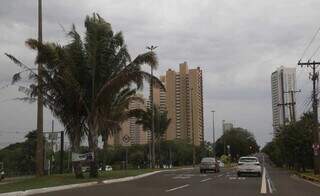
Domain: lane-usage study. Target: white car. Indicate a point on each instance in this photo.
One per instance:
(221, 164)
(1, 171)
(249, 165)
(107, 168)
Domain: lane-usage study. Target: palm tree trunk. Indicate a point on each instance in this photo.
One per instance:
(93, 146)
(76, 148)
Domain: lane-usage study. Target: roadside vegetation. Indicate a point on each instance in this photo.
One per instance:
(87, 83)
(291, 146)
(19, 158)
(235, 143)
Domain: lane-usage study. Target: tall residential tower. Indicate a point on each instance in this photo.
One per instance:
(283, 80)
(184, 102)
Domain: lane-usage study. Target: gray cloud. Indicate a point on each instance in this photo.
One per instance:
(237, 43)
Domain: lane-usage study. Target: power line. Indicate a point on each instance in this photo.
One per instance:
(315, 52)
(311, 41)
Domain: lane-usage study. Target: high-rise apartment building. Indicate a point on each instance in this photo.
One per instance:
(183, 99)
(130, 130)
(226, 126)
(283, 80)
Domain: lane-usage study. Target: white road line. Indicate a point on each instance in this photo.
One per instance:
(179, 187)
(270, 188)
(263, 189)
(220, 175)
(206, 180)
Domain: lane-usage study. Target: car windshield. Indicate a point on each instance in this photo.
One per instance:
(207, 160)
(248, 159)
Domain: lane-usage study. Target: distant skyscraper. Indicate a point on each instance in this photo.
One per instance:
(226, 126)
(283, 80)
(183, 100)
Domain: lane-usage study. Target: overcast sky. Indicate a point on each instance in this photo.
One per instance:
(237, 44)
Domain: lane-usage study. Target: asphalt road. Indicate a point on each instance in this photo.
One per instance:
(192, 183)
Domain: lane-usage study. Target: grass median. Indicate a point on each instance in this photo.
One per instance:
(65, 179)
(310, 176)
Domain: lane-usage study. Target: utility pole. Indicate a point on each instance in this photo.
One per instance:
(192, 127)
(153, 158)
(314, 77)
(292, 104)
(224, 137)
(282, 97)
(40, 146)
(213, 136)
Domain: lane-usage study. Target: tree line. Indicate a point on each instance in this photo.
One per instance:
(19, 158)
(291, 146)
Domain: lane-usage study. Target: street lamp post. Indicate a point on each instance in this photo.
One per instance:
(151, 48)
(40, 143)
(213, 135)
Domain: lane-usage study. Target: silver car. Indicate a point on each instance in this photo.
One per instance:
(209, 164)
(249, 165)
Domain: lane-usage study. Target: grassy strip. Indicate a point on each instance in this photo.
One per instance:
(65, 179)
(309, 176)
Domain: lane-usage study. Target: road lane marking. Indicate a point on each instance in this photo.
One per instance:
(179, 187)
(263, 189)
(220, 175)
(270, 188)
(206, 180)
(181, 177)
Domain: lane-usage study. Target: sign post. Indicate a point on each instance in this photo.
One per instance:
(126, 140)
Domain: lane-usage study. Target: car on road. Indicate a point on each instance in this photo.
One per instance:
(249, 166)
(1, 171)
(85, 169)
(209, 164)
(107, 168)
(221, 164)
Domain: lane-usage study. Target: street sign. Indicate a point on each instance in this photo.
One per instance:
(76, 157)
(316, 148)
(53, 136)
(126, 139)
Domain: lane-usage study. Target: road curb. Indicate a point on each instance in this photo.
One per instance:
(308, 177)
(81, 185)
(48, 189)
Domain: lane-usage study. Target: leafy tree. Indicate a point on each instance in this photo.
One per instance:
(292, 145)
(161, 123)
(241, 143)
(19, 158)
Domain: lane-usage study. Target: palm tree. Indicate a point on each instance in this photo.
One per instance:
(87, 83)
(161, 122)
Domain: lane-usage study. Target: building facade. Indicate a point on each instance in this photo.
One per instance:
(283, 81)
(131, 133)
(183, 99)
(226, 126)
